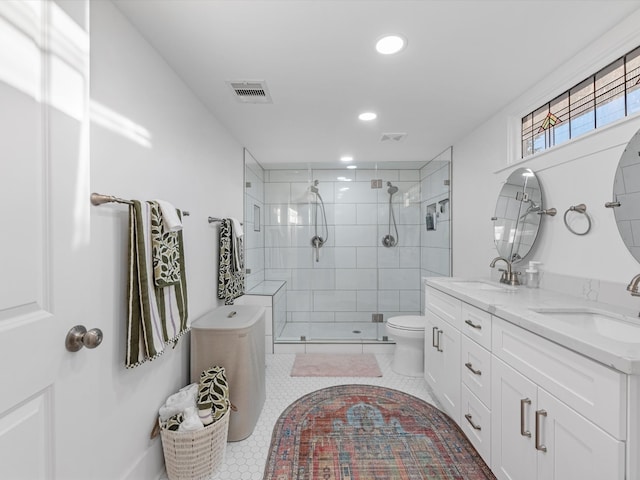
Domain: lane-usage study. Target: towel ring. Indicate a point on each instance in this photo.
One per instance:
(581, 208)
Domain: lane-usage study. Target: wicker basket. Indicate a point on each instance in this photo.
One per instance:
(195, 455)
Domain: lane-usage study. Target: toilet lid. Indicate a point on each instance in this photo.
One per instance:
(407, 322)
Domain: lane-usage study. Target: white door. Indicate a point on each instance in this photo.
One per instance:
(44, 224)
(513, 403)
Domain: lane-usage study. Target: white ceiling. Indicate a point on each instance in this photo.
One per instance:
(465, 60)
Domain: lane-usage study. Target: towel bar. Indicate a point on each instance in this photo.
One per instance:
(216, 219)
(99, 199)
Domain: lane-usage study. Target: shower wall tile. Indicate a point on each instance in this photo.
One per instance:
(366, 257)
(360, 317)
(356, 279)
(409, 257)
(277, 236)
(299, 300)
(293, 257)
(367, 301)
(410, 301)
(333, 176)
(313, 279)
(409, 175)
(345, 215)
(366, 214)
(408, 214)
(356, 236)
(301, 236)
(333, 257)
(290, 176)
(388, 300)
(388, 257)
(334, 301)
(300, 193)
(384, 175)
(400, 279)
(326, 317)
(355, 192)
(276, 192)
(283, 274)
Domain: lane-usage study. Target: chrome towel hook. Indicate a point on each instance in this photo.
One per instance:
(582, 209)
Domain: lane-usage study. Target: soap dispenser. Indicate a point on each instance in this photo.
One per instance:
(533, 275)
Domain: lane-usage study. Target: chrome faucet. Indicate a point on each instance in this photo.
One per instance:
(634, 286)
(508, 276)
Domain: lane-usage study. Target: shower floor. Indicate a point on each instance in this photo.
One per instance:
(332, 331)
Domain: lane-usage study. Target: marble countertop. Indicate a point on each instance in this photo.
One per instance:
(614, 342)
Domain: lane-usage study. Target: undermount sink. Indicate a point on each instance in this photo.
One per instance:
(477, 285)
(612, 326)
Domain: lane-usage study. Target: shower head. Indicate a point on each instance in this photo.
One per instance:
(314, 187)
(392, 189)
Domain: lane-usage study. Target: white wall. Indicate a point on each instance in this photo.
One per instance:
(161, 143)
(580, 171)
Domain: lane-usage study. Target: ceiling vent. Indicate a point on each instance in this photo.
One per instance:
(395, 137)
(254, 91)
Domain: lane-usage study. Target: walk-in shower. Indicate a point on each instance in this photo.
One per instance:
(389, 240)
(321, 237)
(317, 241)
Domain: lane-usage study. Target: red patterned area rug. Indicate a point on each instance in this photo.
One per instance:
(358, 432)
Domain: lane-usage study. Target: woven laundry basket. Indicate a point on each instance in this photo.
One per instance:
(195, 455)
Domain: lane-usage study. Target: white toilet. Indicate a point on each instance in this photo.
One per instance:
(408, 333)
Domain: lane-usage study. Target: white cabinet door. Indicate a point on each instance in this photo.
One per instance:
(442, 363)
(449, 343)
(576, 449)
(513, 400)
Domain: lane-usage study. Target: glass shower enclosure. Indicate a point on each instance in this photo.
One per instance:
(351, 245)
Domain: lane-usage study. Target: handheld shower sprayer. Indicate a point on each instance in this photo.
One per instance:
(389, 240)
(318, 241)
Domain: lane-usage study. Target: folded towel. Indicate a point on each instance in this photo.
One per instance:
(190, 421)
(165, 249)
(230, 270)
(171, 217)
(237, 227)
(180, 401)
(213, 395)
(156, 315)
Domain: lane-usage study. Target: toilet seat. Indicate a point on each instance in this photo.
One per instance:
(414, 323)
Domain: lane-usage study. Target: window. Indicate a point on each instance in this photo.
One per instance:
(607, 96)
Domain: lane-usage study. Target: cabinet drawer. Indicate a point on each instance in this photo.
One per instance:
(476, 324)
(476, 370)
(475, 421)
(443, 305)
(590, 388)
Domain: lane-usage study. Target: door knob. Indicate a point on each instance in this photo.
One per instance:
(79, 337)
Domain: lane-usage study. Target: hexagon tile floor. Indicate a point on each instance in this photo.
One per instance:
(245, 460)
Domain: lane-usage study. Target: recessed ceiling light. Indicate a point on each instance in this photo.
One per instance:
(351, 167)
(390, 44)
(346, 158)
(367, 116)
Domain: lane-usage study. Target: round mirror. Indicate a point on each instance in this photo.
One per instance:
(518, 215)
(626, 192)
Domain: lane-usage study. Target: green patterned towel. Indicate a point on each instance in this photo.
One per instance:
(157, 316)
(166, 250)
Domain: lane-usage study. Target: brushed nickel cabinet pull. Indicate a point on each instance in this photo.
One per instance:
(468, 417)
(433, 337)
(439, 349)
(473, 325)
(469, 365)
(523, 403)
(539, 446)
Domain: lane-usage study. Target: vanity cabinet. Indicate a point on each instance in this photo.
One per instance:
(536, 436)
(533, 409)
(442, 349)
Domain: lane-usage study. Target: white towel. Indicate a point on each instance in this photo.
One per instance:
(170, 216)
(191, 422)
(179, 402)
(237, 227)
